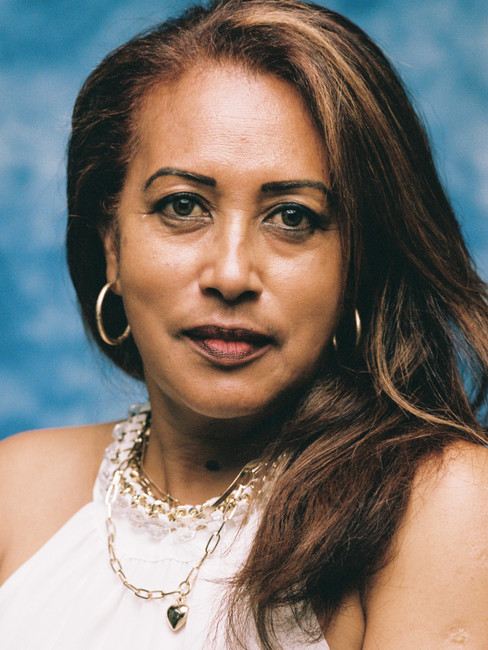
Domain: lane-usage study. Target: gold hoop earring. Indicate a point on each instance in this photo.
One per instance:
(358, 327)
(358, 331)
(98, 316)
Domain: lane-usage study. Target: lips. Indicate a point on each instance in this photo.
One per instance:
(228, 344)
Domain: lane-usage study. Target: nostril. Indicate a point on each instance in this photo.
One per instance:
(230, 279)
(231, 299)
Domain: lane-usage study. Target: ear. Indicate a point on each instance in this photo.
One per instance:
(110, 245)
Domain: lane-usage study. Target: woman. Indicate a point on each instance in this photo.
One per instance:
(256, 230)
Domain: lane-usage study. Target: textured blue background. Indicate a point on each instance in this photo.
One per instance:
(49, 374)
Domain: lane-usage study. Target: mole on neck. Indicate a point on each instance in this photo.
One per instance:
(212, 466)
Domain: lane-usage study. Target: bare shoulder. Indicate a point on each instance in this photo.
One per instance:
(47, 475)
(463, 464)
(34, 462)
(450, 495)
(434, 591)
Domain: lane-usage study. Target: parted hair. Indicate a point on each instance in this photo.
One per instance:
(415, 383)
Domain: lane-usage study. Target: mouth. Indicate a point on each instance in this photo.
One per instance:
(228, 345)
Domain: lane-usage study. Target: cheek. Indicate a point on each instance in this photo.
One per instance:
(149, 268)
(317, 313)
(312, 291)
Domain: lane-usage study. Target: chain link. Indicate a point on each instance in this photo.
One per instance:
(227, 503)
(146, 594)
(186, 585)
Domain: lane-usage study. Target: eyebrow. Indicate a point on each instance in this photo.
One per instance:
(275, 186)
(171, 171)
(279, 186)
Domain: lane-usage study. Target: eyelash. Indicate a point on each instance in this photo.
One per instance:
(315, 220)
(163, 204)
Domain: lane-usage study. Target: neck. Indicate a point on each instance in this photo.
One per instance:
(196, 459)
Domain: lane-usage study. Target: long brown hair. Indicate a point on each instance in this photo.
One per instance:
(417, 379)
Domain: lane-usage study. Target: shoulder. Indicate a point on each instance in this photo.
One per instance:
(47, 475)
(36, 461)
(434, 591)
(456, 486)
(449, 500)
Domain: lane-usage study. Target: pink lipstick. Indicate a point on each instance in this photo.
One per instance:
(228, 344)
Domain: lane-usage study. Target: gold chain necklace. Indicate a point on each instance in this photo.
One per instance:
(248, 479)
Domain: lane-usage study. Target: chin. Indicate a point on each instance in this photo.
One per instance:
(233, 411)
(241, 406)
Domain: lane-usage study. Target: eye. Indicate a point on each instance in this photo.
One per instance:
(294, 219)
(181, 205)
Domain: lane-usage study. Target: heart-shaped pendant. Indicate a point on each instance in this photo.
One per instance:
(177, 615)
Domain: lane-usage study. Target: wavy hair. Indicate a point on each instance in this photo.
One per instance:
(416, 382)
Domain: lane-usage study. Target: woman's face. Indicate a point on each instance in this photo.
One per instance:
(229, 261)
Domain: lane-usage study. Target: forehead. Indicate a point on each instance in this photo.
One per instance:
(224, 115)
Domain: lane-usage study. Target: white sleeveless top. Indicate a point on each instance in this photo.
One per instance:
(67, 597)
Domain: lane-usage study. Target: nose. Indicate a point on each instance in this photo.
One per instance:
(230, 269)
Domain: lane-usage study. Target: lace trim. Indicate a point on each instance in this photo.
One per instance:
(146, 511)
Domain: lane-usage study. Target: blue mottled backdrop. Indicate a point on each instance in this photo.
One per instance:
(49, 374)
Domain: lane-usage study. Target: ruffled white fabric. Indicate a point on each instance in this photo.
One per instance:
(66, 596)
